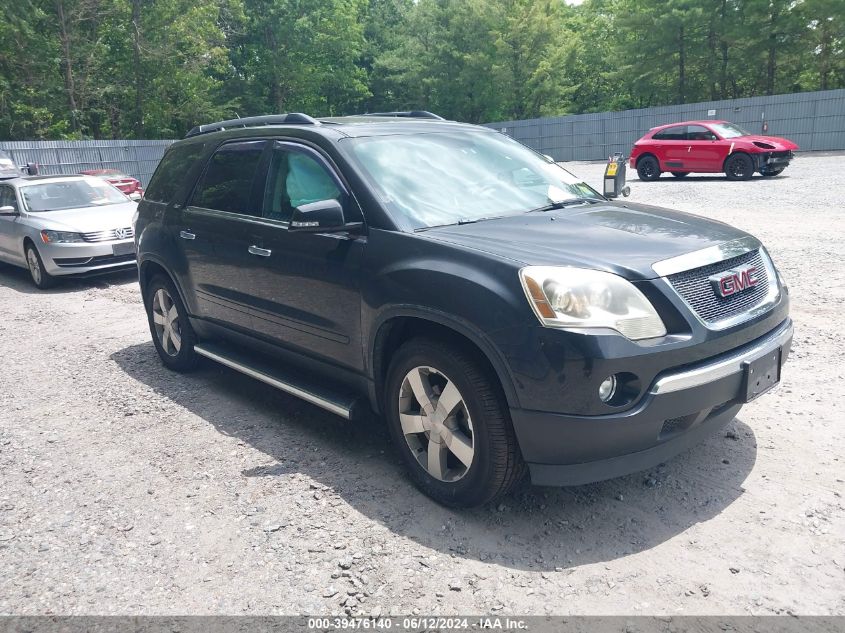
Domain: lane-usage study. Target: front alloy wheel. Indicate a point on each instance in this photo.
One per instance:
(450, 422)
(436, 423)
(739, 167)
(40, 277)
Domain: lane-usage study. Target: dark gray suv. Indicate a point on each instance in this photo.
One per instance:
(498, 313)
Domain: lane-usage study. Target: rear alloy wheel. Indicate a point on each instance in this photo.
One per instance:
(40, 277)
(739, 167)
(173, 335)
(648, 168)
(680, 174)
(450, 423)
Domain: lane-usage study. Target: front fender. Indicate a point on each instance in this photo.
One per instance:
(470, 292)
(380, 330)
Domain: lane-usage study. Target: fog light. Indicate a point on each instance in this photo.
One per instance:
(607, 389)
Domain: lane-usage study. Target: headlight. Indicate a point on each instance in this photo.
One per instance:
(590, 299)
(60, 237)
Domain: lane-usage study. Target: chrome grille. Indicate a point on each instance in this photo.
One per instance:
(694, 287)
(109, 235)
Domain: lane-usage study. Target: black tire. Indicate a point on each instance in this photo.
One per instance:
(770, 173)
(680, 174)
(183, 357)
(35, 265)
(648, 168)
(496, 464)
(739, 167)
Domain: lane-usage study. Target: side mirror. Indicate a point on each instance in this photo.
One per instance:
(549, 158)
(8, 211)
(32, 169)
(323, 216)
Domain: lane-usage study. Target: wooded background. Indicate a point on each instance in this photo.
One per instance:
(77, 69)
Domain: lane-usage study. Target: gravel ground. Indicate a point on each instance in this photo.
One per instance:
(128, 489)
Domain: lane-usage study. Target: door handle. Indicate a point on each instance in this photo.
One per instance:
(261, 252)
(187, 235)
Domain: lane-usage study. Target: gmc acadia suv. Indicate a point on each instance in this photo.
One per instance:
(498, 313)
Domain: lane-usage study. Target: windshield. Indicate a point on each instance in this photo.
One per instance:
(728, 130)
(447, 178)
(70, 194)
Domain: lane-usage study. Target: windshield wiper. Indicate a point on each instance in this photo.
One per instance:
(564, 203)
(481, 219)
(461, 221)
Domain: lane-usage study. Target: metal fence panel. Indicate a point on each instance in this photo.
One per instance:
(134, 158)
(814, 120)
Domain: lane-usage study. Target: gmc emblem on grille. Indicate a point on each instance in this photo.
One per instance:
(733, 281)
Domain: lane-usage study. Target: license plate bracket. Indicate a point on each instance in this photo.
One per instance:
(124, 248)
(761, 374)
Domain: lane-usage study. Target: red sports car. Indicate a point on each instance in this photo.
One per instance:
(709, 147)
(127, 184)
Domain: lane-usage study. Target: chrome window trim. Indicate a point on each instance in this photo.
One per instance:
(727, 366)
(705, 256)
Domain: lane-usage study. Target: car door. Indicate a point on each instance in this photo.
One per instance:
(215, 233)
(10, 227)
(673, 148)
(305, 287)
(702, 149)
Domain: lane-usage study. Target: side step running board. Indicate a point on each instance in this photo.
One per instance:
(344, 405)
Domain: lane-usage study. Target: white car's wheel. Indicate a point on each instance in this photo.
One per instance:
(40, 277)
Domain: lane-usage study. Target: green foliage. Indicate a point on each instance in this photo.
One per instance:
(155, 68)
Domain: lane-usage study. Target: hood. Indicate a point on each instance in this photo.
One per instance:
(779, 144)
(87, 219)
(625, 239)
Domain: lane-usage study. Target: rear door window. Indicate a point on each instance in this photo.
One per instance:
(172, 171)
(677, 133)
(228, 181)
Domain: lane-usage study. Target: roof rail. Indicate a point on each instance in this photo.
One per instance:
(253, 121)
(412, 114)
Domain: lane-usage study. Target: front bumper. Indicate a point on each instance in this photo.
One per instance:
(682, 407)
(83, 258)
(774, 160)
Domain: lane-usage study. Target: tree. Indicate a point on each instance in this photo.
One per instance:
(301, 55)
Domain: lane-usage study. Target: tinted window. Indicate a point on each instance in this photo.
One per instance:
(295, 178)
(699, 133)
(7, 197)
(172, 171)
(228, 179)
(678, 133)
